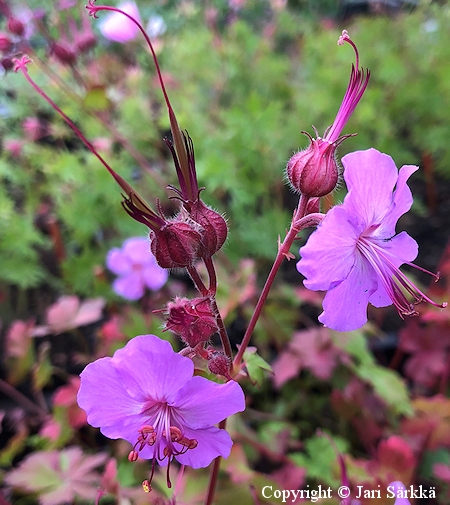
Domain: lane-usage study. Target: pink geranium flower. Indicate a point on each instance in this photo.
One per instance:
(118, 27)
(136, 267)
(147, 395)
(355, 254)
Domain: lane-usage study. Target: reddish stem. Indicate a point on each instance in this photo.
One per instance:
(283, 252)
(214, 473)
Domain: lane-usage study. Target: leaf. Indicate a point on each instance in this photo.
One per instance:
(96, 99)
(255, 366)
(388, 385)
(320, 459)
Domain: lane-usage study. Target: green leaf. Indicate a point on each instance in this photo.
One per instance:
(256, 366)
(97, 99)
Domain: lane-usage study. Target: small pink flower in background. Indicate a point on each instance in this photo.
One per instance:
(146, 394)
(136, 267)
(442, 472)
(66, 396)
(51, 429)
(312, 349)
(119, 28)
(13, 147)
(58, 476)
(355, 254)
(69, 313)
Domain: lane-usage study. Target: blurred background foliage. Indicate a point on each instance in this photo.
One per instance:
(244, 82)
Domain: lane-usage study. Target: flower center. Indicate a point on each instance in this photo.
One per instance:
(404, 294)
(165, 433)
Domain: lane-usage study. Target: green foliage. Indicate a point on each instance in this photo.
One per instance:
(320, 459)
(386, 383)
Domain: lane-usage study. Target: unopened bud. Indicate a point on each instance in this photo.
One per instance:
(313, 172)
(15, 26)
(214, 226)
(175, 245)
(63, 53)
(7, 63)
(219, 364)
(5, 43)
(85, 42)
(193, 320)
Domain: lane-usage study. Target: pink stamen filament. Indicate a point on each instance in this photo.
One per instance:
(164, 427)
(359, 79)
(393, 280)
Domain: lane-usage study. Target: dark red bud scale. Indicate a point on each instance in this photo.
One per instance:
(176, 243)
(193, 320)
(63, 53)
(219, 364)
(314, 172)
(215, 229)
(15, 26)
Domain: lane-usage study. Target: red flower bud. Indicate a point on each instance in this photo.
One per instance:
(85, 42)
(214, 226)
(219, 364)
(193, 320)
(5, 42)
(314, 171)
(7, 63)
(176, 243)
(15, 26)
(63, 53)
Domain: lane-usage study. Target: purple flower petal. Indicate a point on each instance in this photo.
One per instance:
(329, 255)
(155, 277)
(138, 250)
(109, 405)
(399, 488)
(202, 403)
(345, 305)
(149, 368)
(370, 177)
(118, 262)
(130, 286)
(212, 442)
(402, 201)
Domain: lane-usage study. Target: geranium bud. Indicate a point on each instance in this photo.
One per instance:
(63, 53)
(85, 42)
(5, 42)
(176, 243)
(193, 320)
(214, 226)
(314, 172)
(219, 364)
(7, 64)
(15, 26)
